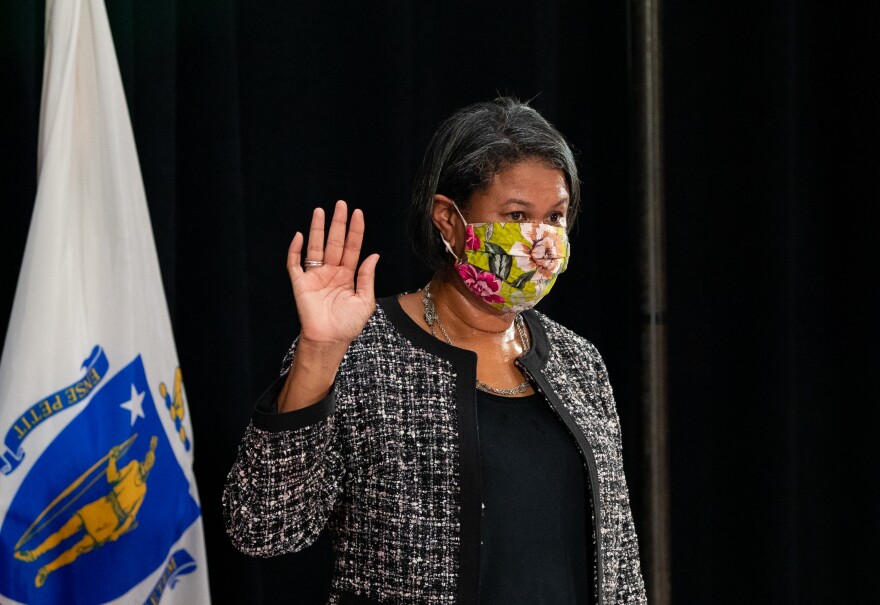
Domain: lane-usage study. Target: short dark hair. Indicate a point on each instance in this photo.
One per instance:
(468, 149)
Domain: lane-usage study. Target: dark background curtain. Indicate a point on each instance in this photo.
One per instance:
(247, 115)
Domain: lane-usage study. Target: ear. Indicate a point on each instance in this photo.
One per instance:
(448, 222)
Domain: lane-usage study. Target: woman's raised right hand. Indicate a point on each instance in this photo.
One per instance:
(332, 308)
(332, 304)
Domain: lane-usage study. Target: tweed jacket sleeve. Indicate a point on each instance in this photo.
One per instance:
(630, 584)
(286, 478)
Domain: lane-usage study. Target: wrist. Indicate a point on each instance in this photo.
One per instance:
(311, 374)
(320, 351)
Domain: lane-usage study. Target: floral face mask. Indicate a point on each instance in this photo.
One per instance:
(511, 266)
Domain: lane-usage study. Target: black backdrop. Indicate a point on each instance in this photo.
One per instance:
(246, 115)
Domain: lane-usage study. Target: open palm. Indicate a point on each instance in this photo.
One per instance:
(332, 308)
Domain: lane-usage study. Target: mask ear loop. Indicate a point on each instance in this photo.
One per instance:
(450, 250)
(458, 261)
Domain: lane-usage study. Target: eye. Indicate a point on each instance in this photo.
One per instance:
(516, 216)
(556, 217)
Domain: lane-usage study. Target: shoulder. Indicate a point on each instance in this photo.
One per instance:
(564, 340)
(370, 338)
(385, 338)
(377, 329)
(574, 364)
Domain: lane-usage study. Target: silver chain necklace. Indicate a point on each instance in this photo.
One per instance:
(432, 318)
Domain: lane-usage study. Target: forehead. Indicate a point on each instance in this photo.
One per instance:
(531, 182)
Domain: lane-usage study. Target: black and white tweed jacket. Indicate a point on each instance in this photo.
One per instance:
(389, 462)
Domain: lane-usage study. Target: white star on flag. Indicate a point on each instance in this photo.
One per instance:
(135, 405)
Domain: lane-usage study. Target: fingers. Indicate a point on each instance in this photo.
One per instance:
(315, 247)
(343, 245)
(353, 240)
(294, 252)
(366, 277)
(336, 236)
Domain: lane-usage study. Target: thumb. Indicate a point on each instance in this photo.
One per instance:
(366, 277)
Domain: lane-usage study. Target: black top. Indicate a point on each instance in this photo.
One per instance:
(535, 538)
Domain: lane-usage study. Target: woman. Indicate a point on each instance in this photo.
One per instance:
(459, 446)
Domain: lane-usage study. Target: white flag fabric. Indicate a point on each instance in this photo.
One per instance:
(98, 502)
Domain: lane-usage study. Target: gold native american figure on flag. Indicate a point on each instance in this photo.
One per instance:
(103, 520)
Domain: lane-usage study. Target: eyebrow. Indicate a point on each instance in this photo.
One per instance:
(526, 204)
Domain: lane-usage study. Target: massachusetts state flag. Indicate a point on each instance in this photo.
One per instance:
(98, 502)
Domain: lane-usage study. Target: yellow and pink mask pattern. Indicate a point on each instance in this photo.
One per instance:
(511, 265)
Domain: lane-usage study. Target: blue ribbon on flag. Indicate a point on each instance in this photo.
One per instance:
(94, 369)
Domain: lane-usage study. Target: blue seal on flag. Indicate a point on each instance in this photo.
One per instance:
(102, 507)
